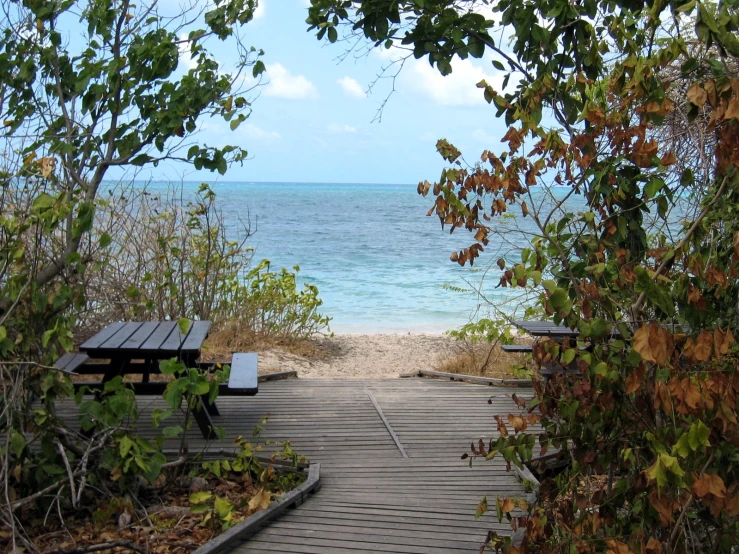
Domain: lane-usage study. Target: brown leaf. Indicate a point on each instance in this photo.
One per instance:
(635, 379)
(668, 159)
(732, 110)
(665, 507)
(507, 505)
(703, 346)
(502, 429)
(524, 209)
(617, 547)
(709, 483)
(697, 95)
(722, 341)
(654, 344)
(654, 546)
(641, 344)
(520, 402)
(736, 245)
(518, 423)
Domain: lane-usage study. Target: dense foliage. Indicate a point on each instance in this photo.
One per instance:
(93, 91)
(633, 109)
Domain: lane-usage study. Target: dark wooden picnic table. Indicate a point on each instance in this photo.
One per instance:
(545, 329)
(550, 329)
(137, 348)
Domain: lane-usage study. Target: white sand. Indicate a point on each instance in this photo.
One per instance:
(364, 356)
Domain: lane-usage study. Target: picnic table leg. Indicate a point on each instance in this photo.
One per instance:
(205, 423)
(210, 407)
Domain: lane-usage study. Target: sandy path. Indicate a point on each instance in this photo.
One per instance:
(364, 356)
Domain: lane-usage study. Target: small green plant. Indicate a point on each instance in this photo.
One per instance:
(215, 509)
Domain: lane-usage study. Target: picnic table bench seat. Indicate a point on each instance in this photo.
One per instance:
(517, 348)
(71, 361)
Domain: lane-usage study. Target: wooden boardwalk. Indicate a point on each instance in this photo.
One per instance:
(391, 473)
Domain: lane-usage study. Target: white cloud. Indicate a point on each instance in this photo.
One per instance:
(483, 136)
(456, 89)
(251, 131)
(283, 84)
(351, 87)
(335, 128)
(259, 12)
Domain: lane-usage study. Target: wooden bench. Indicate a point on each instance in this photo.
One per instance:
(71, 361)
(517, 348)
(243, 379)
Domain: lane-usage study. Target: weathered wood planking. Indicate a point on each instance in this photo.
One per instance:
(373, 499)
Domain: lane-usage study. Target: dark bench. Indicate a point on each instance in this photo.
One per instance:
(243, 380)
(71, 361)
(517, 348)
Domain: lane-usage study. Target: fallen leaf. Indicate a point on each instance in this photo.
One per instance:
(260, 500)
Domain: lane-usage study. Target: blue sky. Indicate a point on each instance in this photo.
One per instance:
(312, 121)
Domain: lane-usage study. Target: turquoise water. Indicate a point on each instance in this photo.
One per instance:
(381, 265)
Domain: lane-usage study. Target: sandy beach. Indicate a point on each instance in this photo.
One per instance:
(364, 356)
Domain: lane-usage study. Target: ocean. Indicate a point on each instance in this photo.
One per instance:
(380, 264)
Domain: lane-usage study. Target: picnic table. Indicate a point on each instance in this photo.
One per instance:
(138, 347)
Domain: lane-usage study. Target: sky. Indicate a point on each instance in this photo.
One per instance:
(312, 118)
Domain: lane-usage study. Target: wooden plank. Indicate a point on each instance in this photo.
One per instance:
(173, 343)
(195, 337)
(395, 438)
(135, 341)
(160, 334)
(71, 361)
(373, 499)
(244, 372)
(102, 336)
(121, 336)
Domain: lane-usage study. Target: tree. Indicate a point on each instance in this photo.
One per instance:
(648, 422)
(76, 107)
(89, 89)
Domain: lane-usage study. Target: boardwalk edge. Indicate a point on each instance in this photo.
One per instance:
(524, 474)
(252, 524)
(469, 378)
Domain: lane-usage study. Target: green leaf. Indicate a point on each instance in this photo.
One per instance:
(568, 355)
(184, 325)
(222, 506)
(17, 443)
(200, 497)
(125, 445)
(698, 435)
(43, 201)
(332, 34)
(104, 240)
(172, 432)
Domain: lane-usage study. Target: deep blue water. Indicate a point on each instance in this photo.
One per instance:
(380, 264)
